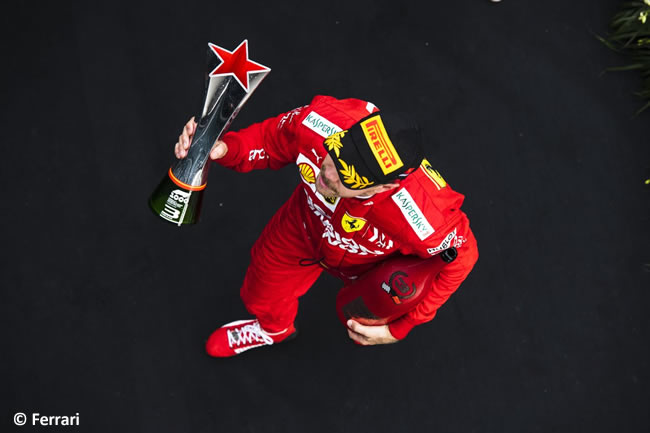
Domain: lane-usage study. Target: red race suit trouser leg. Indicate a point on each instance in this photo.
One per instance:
(275, 279)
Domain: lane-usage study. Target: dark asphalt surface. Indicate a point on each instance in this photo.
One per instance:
(104, 309)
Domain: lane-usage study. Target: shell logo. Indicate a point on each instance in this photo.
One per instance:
(307, 172)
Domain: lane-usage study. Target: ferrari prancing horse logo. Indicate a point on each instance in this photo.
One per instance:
(352, 224)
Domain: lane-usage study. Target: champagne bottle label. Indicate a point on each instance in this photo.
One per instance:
(176, 204)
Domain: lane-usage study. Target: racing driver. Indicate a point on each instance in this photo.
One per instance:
(366, 193)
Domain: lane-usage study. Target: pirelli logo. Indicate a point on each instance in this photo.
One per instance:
(380, 144)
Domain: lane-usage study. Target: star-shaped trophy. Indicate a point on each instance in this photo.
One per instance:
(232, 80)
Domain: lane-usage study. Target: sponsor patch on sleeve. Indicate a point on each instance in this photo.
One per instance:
(435, 177)
(446, 243)
(320, 125)
(414, 216)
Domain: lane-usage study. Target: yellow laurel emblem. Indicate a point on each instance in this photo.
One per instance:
(334, 142)
(307, 172)
(352, 178)
(435, 177)
(352, 224)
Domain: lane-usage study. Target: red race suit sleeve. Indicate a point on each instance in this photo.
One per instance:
(446, 283)
(271, 144)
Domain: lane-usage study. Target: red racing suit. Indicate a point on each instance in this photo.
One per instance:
(345, 236)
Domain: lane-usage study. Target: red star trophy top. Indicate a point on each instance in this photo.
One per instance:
(232, 80)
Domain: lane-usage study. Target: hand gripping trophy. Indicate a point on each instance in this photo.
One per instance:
(232, 80)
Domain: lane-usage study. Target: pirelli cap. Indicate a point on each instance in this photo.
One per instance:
(375, 150)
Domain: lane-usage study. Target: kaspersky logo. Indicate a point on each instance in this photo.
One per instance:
(176, 205)
(320, 125)
(397, 288)
(381, 146)
(414, 216)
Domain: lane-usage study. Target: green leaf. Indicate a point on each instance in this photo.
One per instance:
(626, 68)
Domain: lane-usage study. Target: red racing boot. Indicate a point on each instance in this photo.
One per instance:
(237, 337)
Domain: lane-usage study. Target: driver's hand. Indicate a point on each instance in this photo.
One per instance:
(183, 144)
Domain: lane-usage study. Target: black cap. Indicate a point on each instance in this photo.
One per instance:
(375, 150)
